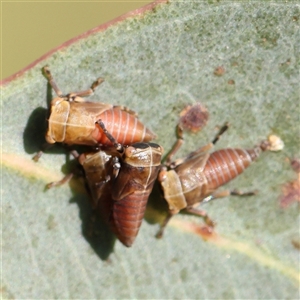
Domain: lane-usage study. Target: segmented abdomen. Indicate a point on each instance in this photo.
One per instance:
(124, 127)
(127, 216)
(225, 164)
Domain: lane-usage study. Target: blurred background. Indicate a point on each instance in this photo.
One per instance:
(31, 29)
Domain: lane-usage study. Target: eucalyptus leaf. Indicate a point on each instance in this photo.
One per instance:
(156, 63)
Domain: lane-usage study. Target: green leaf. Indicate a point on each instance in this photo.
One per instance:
(156, 63)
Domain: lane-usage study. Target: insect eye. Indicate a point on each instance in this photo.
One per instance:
(130, 151)
(162, 175)
(153, 145)
(140, 145)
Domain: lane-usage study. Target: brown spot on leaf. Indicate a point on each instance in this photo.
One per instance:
(219, 71)
(296, 244)
(193, 117)
(291, 189)
(205, 231)
(295, 163)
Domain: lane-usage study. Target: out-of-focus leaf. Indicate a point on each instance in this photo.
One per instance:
(156, 63)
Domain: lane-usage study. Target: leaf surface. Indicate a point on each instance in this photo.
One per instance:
(156, 63)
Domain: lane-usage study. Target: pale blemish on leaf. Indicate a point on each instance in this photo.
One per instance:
(28, 168)
(247, 249)
(156, 64)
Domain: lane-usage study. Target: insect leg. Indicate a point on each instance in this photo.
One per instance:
(101, 183)
(65, 179)
(116, 167)
(118, 146)
(201, 213)
(191, 210)
(45, 147)
(124, 108)
(160, 232)
(221, 131)
(240, 193)
(176, 146)
(51, 81)
(59, 93)
(197, 152)
(38, 156)
(225, 193)
(88, 92)
(179, 143)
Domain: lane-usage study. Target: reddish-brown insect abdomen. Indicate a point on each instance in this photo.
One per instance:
(224, 165)
(127, 216)
(123, 126)
(131, 188)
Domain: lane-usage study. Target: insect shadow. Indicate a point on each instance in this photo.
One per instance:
(34, 133)
(157, 208)
(35, 129)
(95, 231)
(93, 228)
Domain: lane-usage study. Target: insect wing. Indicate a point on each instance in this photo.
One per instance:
(171, 186)
(191, 171)
(73, 122)
(96, 167)
(57, 121)
(81, 122)
(192, 178)
(139, 168)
